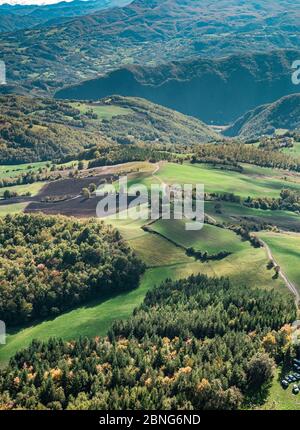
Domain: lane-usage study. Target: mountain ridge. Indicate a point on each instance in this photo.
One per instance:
(24, 16)
(149, 33)
(253, 79)
(264, 120)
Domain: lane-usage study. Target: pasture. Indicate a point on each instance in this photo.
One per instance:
(285, 248)
(102, 112)
(33, 189)
(233, 213)
(211, 239)
(254, 182)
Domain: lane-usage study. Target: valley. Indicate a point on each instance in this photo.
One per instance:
(113, 309)
(251, 78)
(165, 254)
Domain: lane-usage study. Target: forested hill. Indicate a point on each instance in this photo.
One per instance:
(17, 17)
(145, 32)
(146, 122)
(38, 129)
(33, 129)
(282, 114)
(218, 90)
(194, 344)
(52, 264)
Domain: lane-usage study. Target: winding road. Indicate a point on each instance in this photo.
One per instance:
(291, 286)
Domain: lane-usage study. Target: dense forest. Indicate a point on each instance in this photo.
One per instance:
(198, 343)
(49, 264)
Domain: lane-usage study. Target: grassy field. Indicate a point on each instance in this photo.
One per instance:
(286, 250)
(95, 318)
(295, 151)
(16, 170)
(254, 182)
(211, 239)
(233, 213)
(102, 112)
(33, 189)
(280, 399)
(246, 266)
(12, 209)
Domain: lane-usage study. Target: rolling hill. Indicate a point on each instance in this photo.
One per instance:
(37, 129)
(147, 32)
(215, 90)
(282, 114)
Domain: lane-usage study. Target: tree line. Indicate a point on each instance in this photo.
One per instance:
(243, 153)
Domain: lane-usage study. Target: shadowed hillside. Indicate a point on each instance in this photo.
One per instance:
(284, 114)
(214, 90)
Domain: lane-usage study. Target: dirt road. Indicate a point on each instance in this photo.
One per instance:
(291, 286)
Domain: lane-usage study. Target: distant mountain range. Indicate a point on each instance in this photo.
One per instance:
(213, 90)
(146, 32)
(282, 114)
(22, 16)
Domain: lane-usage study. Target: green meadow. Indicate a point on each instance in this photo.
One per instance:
(17, 169)
(286, 251)
(233, 213)
(254, 181)
(295, 151)
(33, 189)
(12, 209)
(102, 112)
(211, 239)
